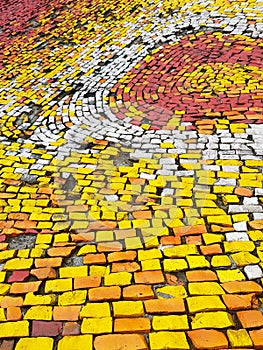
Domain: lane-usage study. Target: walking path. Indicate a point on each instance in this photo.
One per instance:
(131, 194)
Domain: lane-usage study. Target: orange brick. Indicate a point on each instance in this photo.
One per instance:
(165, 306)
(83, 237)
(243, 192)
(132, 325)
(170, 240)
(13, 314)
(94, 259)
(125, 267)
(238, 301)
(48, 262)
(105, 293)
(87, 282)
(11, 301)
(149, 277)
(60, 251)
(138, 292)
(201, 276)
(66, 313)
(208, 339)
(190, 230)
(24, 287)
(122, 234)
(197, 240)
(250, 318)
(242, 287)
(211, 249)
(110, 247)
(142, 214)
(44, 273)
(129, 255)
(120, 341)
(257, 338)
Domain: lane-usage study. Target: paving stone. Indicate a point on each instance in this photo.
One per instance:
(131, 174)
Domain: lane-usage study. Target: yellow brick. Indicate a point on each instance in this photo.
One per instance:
(245, 258)
(97, 270)
(133, 243)
(96, 325)
(174, 265)
(14, 329)
(211, 238)
(212, 212)
(250, 183)
(205, 303)
(171, 291)
(2, 315)
(8, 254)
(39, 343)
(230, 275)
(181, 251)
(256, 235)
(217, 319)
(239, 338)
(74, 271)
(96, 310)
(58, 285)
(2, 276)
(230, 198)
(205, 288)
(39, 313)
(75, 342)
(32, 299)
(86, 249)
(4, 288)
(128, 308)
(23, 253)
(221, 261)
(77, 297)
(118, 279)
(151, 265)
(36, 252)
(168, 340)
(197, 261)
(170, 322)
(61, 238)
(223, 189)
(18, 264)
(224, 220)
(141, 223)
(240, 217)
(232, 247)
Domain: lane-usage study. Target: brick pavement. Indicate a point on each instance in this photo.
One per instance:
(131, 189)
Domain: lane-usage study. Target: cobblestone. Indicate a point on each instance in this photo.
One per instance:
(131, 186)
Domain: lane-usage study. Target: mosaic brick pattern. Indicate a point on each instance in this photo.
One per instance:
(131, 192)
